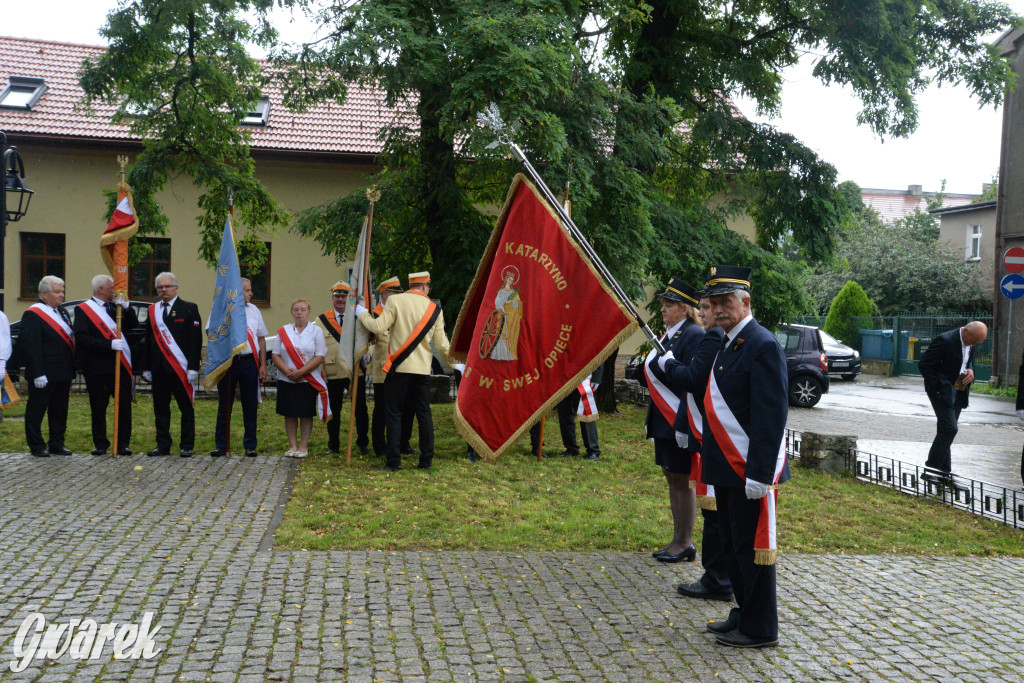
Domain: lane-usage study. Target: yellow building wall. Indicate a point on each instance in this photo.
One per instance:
(69, 183)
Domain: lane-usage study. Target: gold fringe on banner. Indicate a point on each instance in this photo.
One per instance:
(765, 556)
(707, 503)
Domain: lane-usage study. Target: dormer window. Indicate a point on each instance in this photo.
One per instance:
(22, 93)
(259, 115)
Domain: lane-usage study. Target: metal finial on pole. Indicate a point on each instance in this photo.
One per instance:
(491, 118)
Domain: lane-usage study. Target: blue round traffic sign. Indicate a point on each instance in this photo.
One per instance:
(1012, 286)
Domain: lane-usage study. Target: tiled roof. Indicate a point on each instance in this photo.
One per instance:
(351, 128)
(893, 205)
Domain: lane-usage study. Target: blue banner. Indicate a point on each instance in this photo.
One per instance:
(226, 332)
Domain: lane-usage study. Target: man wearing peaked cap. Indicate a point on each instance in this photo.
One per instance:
(339, 377)
(378, 419)
(746, 402)
(413, 321)
(673, 452)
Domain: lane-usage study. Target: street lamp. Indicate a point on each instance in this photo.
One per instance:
(15, 200)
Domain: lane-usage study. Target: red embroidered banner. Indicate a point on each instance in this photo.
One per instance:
(537, 320)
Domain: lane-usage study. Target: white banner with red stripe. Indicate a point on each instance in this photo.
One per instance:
(172, 353)
(255, 350)
(295, 360)
(664, 399)
(108, 328)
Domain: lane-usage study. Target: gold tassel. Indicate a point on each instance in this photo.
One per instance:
(707, 503)
(765, 556)
(693, 484)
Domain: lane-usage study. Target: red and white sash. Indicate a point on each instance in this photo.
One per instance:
(587, 410)
(735, 445)
(56, 323)
(172, 353)
(107, 327)
(295, 359)
(664, 399)
(705, 492)
(255, 349)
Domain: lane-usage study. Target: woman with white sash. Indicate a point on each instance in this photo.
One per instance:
(301, 386)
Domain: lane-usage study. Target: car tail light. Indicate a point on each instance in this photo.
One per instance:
(824, 363)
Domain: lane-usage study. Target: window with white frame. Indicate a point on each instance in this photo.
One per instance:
(22, 92)
(259, 115)
(973, 242)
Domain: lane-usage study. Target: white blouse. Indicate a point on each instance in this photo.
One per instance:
(309, 343)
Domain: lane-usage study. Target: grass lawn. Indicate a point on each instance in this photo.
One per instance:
(618, 503)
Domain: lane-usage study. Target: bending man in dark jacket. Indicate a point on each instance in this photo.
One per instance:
(948, 370)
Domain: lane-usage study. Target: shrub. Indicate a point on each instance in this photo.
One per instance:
(850, 302)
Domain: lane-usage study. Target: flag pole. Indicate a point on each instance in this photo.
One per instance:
(122, 162)
(491, 118)
(231, 392)
(372, 194)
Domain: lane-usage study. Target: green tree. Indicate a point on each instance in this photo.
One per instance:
(851, 302)
(634, 97)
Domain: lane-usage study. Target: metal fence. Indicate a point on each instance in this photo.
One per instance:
(990, 501)
(902, 339)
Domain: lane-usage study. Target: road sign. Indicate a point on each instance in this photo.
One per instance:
(1013, 259)
(1012, 286)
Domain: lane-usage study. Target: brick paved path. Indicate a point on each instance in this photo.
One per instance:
(93, 537)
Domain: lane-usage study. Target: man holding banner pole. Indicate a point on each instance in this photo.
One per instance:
(98, 347)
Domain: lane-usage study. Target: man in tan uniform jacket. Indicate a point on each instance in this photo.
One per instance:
(338, 376)
(412, 320)
(380, 355)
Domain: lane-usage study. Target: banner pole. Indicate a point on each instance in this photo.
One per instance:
(575, 232)
(117, 386)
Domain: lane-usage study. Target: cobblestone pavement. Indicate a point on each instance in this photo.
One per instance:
(86, 537)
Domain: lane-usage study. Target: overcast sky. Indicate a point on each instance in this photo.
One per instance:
(955, 141)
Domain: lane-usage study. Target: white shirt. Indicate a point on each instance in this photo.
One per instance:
(160, 307)
(737, 328)
(965, 350)
(310, 343)
(5, 342)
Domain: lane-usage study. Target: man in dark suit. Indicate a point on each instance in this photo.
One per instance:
(174, 344)
(47, 345)
(96, 347)
(672, 453)
(744, 456)
(948, 370)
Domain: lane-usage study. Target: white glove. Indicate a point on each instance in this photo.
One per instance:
(662, 359)
(147, 375)
(682, 440)
(460, 368)
(360, 309)
(756, 489)
(193, 376)
(367, 358)
(117, 345)
(1020, 413)
(121, 301)
(40, 381)
(2, 375)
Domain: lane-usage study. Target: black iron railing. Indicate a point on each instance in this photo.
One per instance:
(987, 500)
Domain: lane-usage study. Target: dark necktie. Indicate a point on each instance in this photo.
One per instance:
(725, 343)
(167, 313)
(110, 309)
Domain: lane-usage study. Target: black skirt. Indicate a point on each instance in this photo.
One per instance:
(296, 400)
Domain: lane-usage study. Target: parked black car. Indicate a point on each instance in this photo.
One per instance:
(843, 360)
(808, 366)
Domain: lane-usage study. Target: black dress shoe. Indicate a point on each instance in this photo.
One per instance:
(591, 457)
(62, 450)
(938, 478)
(688, 555)
(658, 553)
(699, 590)
(387, 468)
(363, 450)
(158, 451)
(251, 452)
(410, 451)
(332, 451)
(736, 639)
(720, 627)
(423, 466)
(99, 451)
(41, 454)
(217, 452)
(567, 454)
(472, 457)
(124, 451)
(186, 453)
